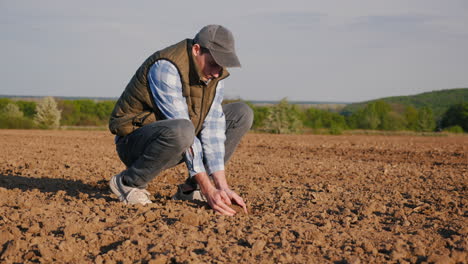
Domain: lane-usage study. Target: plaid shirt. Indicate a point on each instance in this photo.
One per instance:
(207, 152)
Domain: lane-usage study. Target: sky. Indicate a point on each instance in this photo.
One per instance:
(327, 51)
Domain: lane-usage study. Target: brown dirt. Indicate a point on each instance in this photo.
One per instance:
(312, 199)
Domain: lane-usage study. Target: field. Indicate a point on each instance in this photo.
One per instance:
(312, 199)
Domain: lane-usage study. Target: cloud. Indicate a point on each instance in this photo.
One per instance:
(410, 24)
(303, 49)
(301, 20)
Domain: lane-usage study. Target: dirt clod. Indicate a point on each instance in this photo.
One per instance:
(239, 210)
(311, 199)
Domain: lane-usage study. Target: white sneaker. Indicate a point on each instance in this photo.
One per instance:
(126, 194)
(192, 195)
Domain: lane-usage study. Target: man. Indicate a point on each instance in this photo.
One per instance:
(171, 112)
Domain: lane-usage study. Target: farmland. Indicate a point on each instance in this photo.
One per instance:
(311, 199)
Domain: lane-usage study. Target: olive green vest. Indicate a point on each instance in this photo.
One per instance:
(135, 107)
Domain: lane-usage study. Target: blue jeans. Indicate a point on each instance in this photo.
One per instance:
(161, 145)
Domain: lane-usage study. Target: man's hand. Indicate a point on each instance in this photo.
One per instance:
(234, 197)
(220, 197)
(220, 201)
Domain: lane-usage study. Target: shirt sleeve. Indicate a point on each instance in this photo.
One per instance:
(166, 88)
(213, 133)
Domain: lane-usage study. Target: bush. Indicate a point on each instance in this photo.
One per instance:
(335, 130)
(27, 107)
(12, 117)
(317, 118)
(411, 116)
(382, 116)
(284, 118)
(4, 102)
(85, 112)
(454, 129)
(393, 121)
(260, 115)
(426, 121)
(104, 110)
(456, 115)
(16, 122)
(372, 116)
(12, 111)
(48, 115)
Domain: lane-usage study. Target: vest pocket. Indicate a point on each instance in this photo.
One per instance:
(126, 125)
(139, 120)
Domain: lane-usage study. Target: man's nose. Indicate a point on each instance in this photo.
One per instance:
(215, 73)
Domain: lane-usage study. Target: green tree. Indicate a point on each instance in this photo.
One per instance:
(284, 118)
(438, 101)
(4, 102)
(104, 110)
(392, 121)
(48, 115)
(369, 120)
(12, 110)
(260, 115)
(371, 116)
(454, 129)
(426, 121)
(12, 117)
(317, 118)
(411, 116)
(377, 115)
(456, 115)
(85, 112)
(27, 107)
(70, 112)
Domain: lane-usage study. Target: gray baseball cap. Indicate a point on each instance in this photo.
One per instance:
(220, 42)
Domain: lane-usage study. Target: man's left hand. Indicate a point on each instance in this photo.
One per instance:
(234, 197)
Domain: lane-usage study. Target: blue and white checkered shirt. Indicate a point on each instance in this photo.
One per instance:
(207, 152)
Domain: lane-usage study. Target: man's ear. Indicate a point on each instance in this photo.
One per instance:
(196, 49)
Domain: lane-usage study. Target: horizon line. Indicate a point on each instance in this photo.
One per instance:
(99, 98)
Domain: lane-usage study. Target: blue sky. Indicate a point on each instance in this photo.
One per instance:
(343, 51)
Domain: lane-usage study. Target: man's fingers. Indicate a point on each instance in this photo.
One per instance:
(240, 202)
(222, 200)
(219, 205)
(224, 209)
(226, 198)
(228, 208)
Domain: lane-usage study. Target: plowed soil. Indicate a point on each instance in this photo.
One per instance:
(312, 199)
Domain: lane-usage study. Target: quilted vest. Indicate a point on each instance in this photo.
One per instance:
(136, 108)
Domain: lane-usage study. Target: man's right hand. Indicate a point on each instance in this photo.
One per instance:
(219, 201)
(218, 198)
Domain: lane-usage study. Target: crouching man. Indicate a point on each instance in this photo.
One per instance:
(171, 112)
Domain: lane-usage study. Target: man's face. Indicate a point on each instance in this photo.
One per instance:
(209, 68)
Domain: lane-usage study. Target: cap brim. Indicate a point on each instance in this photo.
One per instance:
(228, 60)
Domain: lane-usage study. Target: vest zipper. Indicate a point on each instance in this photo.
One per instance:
(203, 97)
(201, 110)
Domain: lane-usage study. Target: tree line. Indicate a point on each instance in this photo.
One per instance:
(378, 115)
(52, 113)
(283, 117)
(438, 101)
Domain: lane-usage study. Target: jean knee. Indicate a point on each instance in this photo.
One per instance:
(183, 132)
(246, 114)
